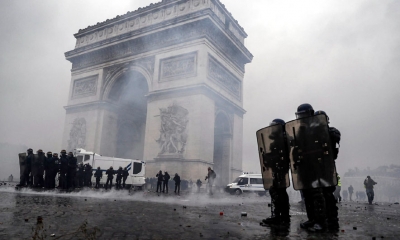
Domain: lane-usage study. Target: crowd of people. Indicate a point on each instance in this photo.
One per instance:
(41, 171)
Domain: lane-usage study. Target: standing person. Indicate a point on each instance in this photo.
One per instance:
(166, 179)
(369, 187)
(160, 179)
(351, 189)
(210, 176)
(177, 180)
(10, 178)
(71, 174)
(110, 175)
(337, 190)
(49, 169)
(125, 174)
(80, 175)
(317, 181)
(119, 177)
(274, 162)
(28, 167)
(37, 169)
(56, 161)
(98, 174)
(88, 175)
(198, 184)
(63, 170)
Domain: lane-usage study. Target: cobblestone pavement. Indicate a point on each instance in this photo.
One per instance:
(90, 214)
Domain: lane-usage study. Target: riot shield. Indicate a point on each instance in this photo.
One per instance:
(274, 158)
(21, 157)
(311, 155)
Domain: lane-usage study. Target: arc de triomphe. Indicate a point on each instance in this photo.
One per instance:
(164, 84)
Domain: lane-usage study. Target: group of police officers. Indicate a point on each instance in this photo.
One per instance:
(40, 171)
(308, 147)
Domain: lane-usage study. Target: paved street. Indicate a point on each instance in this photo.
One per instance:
(92, 214)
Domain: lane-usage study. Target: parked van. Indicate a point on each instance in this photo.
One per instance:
(136, 168)
(247, 183)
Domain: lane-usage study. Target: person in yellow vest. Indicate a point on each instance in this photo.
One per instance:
(338, 190)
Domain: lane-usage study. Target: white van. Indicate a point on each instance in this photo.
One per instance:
(136, 168)
(247, 183)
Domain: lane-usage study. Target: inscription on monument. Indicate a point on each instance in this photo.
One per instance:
(85, 87)
(77, 135)
(222, 76)
(178, 67)
(173, 136)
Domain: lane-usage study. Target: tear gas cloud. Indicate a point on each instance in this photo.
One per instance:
(338, 56)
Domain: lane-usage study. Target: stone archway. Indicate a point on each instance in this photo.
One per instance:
(222, 148)
(128, 92)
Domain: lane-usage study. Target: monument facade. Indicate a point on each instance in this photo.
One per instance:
(164, 84)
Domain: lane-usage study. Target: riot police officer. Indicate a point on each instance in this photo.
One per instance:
(28, 179)
(125, 175)
(49, 169)
(275, 168)
(330, 200)
(119, 177)
(98, 174)
(88, 175)
(63, 170)
(37, 168)
(312, 162)
(80, 175)
(110, 175)
(71, 174)
(56, 161)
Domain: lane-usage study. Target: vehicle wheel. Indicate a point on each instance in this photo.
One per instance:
(238, 191)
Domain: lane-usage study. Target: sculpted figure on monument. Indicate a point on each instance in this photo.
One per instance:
(77, 135)
(173, 135)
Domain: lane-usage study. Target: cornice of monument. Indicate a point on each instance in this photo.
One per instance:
(163, 5)
(129, 27)
(201, 28)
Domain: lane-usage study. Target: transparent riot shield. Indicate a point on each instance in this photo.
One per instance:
(274, 158)
(311, 155)
(21, 157)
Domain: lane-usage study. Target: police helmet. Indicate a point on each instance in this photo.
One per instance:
(98, 168)
(277, 121)
(70, 153)
(63, 151)
(304, 110)
(40, 151)
(29, 150)
(49, 153)
(55, 154)
(322, 112)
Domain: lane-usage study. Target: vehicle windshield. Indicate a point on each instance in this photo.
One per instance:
(236, 180)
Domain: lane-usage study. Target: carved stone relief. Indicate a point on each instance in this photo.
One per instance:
(77, 135)
(85, 87)
(222, 76)
(178, 67)
(173, 136)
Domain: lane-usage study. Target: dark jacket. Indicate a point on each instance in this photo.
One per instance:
(125, 173)
(63, 163)
(166, 177)
(98, 173)
(160, 177)
(369, 183)
(119, 173)
(110, 173)
(29, 160)
(177, 179)
(72, 163)
(49, 163)
(88, 171)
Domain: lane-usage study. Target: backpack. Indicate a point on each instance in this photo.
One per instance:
(335, 139)
(213, 175)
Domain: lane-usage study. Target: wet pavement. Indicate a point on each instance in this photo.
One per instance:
(90, 214)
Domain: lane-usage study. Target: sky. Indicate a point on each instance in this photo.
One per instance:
(342, 57)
